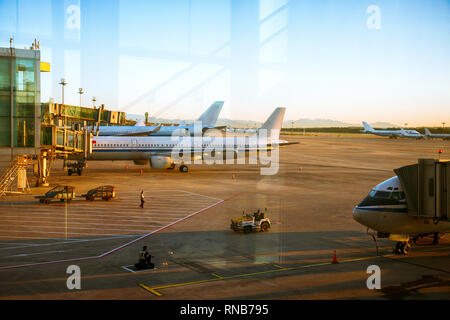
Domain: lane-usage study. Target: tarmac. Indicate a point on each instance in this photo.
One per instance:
(185, 223)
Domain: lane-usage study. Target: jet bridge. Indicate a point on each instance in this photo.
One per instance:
(426, 188)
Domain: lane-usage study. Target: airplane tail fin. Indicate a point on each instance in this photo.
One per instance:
(141, 123)
(275, 121)
(367, 127)
(427, 132)
(209, 117)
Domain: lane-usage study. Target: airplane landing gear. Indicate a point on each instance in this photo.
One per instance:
(76, 167)
(183, 168)
(435, 238)
(172, 166)
(402, 247)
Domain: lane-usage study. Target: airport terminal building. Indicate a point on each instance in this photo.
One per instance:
(19, 103)
(34, 134)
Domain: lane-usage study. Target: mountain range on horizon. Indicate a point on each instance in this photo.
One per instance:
(300, 123)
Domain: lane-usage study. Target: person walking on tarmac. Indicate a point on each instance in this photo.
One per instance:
(142, 199)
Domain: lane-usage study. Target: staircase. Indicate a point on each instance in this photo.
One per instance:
(11, 173)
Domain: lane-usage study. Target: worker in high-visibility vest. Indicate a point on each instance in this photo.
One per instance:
(142, 199)
(145, 258)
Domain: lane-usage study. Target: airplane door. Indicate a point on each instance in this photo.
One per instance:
(134, 143)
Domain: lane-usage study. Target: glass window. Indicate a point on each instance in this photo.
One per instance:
(382, 194)
(5, 72)
(5, 131)
(24, 75)
(24, 105)
(398, 195)
(5, 104)
(24, 132)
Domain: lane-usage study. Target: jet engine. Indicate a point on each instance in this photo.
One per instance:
(140, 162)
(160, 162)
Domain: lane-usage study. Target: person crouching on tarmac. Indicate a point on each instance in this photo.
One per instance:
(145, 260)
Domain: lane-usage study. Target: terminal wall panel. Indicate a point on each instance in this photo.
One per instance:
(408, 176)
(442, 199)
(427, 188)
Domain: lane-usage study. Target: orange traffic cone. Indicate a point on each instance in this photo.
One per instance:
(335, 258)
(232, 177)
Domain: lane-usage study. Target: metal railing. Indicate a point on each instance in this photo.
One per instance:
(11, 172)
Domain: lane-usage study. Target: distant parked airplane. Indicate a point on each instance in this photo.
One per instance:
(208, 120)
(428, 135)
(392, 133)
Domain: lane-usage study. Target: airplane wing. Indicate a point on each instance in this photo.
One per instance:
(141, 134)
(282, 143)
(220, 127)
(287, 143)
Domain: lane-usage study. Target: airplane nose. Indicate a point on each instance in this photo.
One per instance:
(357, 214)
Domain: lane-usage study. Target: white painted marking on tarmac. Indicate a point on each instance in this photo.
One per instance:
(201, 195)
(126, 268)
(72, 233)
(36, 253)
(131, 270)
(18, 243)
(186, 202)
(26, 225)
(70, 241)
(105, 215)
(162, 228)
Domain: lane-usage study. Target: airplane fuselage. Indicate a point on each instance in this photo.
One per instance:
(142, 148)
(385, 210)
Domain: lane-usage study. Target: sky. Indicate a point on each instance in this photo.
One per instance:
(350, 61)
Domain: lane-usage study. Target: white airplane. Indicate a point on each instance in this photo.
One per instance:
(392, 133)
(208, 120)
(412, 134)
(385, 211)
(384, 133)
(428, 135)
(244, 131)
(159, 151)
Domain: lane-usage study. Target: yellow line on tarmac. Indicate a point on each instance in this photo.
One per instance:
(156, 293)
(218, 278)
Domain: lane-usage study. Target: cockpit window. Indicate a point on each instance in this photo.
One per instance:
(398, 195)
(382, 194)
(378, 198)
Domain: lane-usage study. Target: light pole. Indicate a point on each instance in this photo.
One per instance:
(63, 84)
(443, 125)
(93, 101)
(80, 91)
